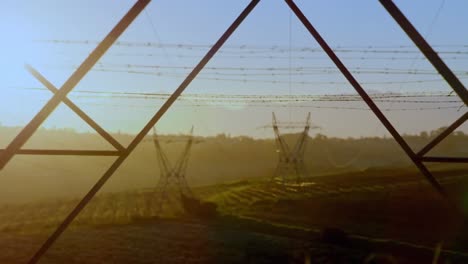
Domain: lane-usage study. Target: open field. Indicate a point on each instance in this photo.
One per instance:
(396, 205)
(156, 242)
(382, 204)
(227, 240)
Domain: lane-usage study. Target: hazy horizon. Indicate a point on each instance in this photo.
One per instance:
(267, 132)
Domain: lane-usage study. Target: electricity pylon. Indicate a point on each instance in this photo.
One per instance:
(172, 183)
(290, 161)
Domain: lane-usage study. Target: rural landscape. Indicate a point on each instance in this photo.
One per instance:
(404, 217)
(247, 131)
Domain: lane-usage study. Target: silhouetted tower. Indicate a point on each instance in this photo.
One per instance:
(172, 183)
(291, 161)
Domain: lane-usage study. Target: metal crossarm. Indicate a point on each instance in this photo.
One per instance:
(76, 109)
(443, 135)
(65, 152)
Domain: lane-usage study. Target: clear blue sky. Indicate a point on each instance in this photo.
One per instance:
(342, 23)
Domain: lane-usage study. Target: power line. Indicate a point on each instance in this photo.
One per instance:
(288, 100)
(285, 70)
(217, 100)
(436, 94)
(250, 80)
(276, 48)
(279, 57)
(278, 105)
(261, 71)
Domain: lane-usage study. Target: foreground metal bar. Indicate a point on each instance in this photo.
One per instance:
(82, 204)
(445, 159)
(87, 64)
(76, 109)
(443, 135)
(426, 49)
(399, 139)
(67, 152)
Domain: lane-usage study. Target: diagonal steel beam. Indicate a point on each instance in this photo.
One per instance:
(164, 163)
(74, 79)
(181, 164)
(284, 147)
(300, 144)
(347, 74)
(82, 204)
(426, 49)
(443, 135)
(76, 109)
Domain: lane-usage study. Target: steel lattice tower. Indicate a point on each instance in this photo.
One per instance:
(291, 161)
(172, 182)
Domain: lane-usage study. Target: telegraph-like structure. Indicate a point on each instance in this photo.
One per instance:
(172, 184)
(291, 161)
